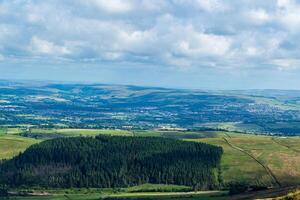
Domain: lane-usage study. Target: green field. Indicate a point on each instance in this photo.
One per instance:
(279, 154)
(11, 145)
(257, 160)
(81, 132)
(128, 196)
(142, 192)
(272, 152)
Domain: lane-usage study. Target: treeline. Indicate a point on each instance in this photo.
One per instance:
(107, 162)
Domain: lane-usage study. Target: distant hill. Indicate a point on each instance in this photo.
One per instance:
(117, 161)
(43, 104)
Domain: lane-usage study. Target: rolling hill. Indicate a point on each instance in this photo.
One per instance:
(43, 104)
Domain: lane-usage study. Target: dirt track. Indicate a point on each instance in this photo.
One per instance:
(267, 169)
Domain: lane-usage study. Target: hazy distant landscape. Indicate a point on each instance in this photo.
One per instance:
(129, 107)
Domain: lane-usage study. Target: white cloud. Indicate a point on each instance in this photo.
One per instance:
(44, 47)
(258, 16)
(153, 5)
(200, 33)
(211, 5)
(113, 6)
(201, 44)
(284, 3)
(252, 51)
(291, 19)
(205, 5)
(286, 64)
(288, 14)
(256, 47)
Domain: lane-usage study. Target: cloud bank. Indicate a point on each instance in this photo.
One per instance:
(179, 35)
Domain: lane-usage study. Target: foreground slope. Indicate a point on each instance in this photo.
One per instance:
(114, 162)
(279, 154)
(259, 160)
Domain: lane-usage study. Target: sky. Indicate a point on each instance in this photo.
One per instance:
(199, 44)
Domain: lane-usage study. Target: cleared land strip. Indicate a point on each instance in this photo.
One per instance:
(267, 169)
(284, 145)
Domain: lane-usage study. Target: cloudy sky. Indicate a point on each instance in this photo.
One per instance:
(206, 44)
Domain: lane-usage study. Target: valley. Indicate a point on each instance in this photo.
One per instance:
(257, 130)
(53, 105)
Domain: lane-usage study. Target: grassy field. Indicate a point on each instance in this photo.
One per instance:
(11, 145)
(280, 155)
(177, 194)
(127, 196)
(115, 132)
(12, 142)
(295, 195)
(237, 166)
(141, 192)
(248, 158)
(81, 132)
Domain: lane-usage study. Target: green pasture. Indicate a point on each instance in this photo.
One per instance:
(279, 154)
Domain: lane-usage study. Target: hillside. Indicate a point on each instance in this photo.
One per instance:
(42, 104)
(279, 154)
(257, 159)
(278, 157)
(107, 162)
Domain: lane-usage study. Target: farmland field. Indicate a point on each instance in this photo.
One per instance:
(279, 154)
(278, 159)
(11, 145)
(282, 161)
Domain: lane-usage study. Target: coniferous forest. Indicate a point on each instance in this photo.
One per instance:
(107, 162)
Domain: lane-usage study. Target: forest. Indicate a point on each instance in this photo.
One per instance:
(118, 161)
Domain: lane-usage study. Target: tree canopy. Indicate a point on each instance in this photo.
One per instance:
(107, 162)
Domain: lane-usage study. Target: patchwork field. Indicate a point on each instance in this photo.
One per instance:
(254, 159)
(81, 132)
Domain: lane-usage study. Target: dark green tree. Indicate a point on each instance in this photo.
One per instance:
(114, 162)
